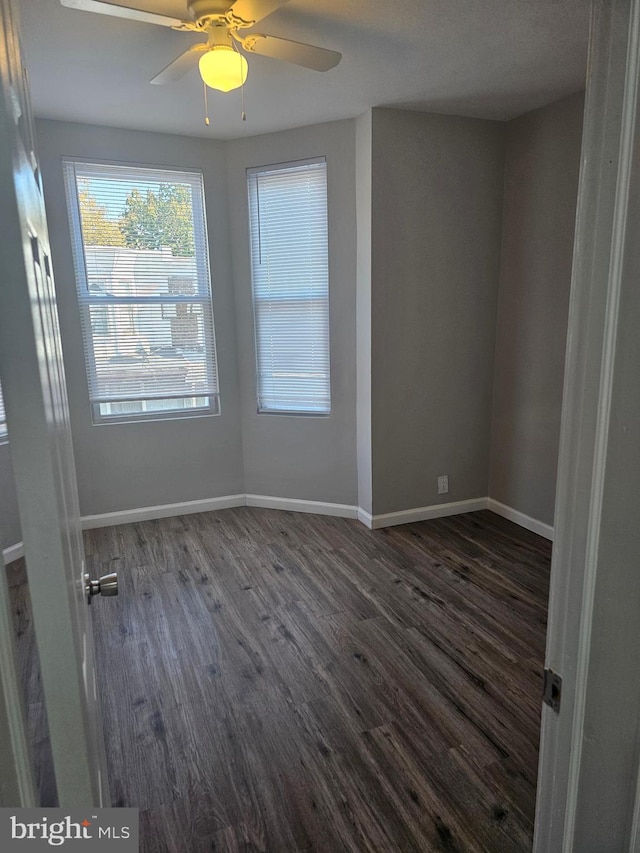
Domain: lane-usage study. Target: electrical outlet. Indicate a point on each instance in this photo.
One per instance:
(443, 484)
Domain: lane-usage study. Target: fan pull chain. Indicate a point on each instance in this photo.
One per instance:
(206, 106)
(235, 47)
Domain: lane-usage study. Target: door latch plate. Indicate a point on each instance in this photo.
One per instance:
(552, 690)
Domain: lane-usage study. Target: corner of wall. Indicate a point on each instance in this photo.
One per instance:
(491, 451)
(363, 143)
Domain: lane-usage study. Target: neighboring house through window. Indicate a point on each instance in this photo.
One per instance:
(289, 264)
(144, 291)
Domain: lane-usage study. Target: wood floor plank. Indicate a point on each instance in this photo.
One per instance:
(285, 683)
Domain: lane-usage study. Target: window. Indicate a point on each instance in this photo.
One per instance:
(289, 262)
(3, 420)
(142, 275)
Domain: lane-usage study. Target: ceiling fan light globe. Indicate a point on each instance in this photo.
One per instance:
(223, 68)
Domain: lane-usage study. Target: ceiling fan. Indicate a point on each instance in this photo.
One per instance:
(222, 65)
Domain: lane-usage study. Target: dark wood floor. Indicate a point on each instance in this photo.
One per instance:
(287, 682)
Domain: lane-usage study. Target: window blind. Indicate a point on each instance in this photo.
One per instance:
(3, 419)
(290, 276)
(144, 292)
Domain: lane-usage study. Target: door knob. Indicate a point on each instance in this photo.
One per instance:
(106, 585)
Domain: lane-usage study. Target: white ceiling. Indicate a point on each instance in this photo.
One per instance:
(487, 58)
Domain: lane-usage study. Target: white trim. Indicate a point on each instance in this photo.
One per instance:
(520, 518)
(607, 154)
(620, 239)
(422, 513)
(147, 513)
(13, 552)
(373, 522)
(295, 505)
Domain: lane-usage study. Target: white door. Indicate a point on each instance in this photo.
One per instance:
(32, 378)
(588, 784)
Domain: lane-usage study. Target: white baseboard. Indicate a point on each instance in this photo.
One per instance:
(422, 513)
(539, 527)
(373, 522)
(295, 505)
(148, 513)
(13, 552)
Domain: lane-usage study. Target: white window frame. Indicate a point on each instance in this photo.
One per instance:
(203, 294)
(307, 293)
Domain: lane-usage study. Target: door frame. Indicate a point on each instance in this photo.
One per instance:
(584, 573)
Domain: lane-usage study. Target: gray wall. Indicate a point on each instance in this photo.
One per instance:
(9, 518)
(424, 259)
(437, 185)
(310, 458)
(123, 466)
(541, 183)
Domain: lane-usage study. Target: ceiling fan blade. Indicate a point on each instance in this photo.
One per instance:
(317, 58)
(179, 67)
(121, 12)
(255, 10)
